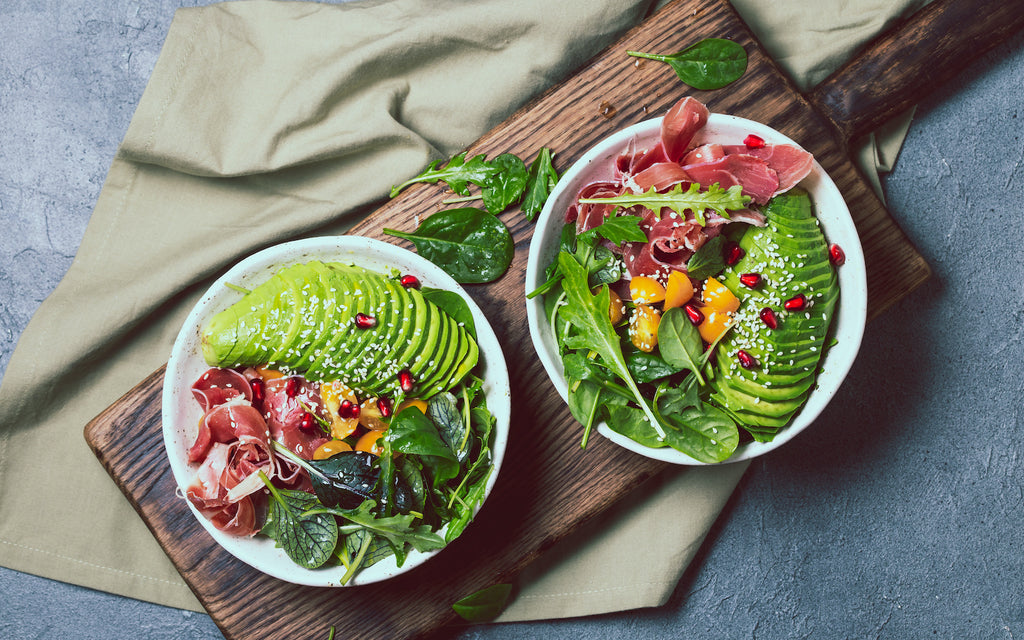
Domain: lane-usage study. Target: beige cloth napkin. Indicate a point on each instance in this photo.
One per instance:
(264, 121)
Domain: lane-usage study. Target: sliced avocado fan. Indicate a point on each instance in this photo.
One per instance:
(303, 321)
(791, 254)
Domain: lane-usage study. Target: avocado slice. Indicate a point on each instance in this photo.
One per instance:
(791, 254)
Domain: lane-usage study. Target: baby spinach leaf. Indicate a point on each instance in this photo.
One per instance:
(471, 245)
(648, 367)
(540, 181)
(344, 480)
(307, 538)
(635, 425)
(506, 184)
(699, 430)
(709, 64)
(454, 305)
(484, 605)
(458, 173)
(445, 414)
(620, 229)
(719, 200)
(708, 261)
(413, 433)
(679, 342)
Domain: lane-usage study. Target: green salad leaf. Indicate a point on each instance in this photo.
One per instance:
(540, 183)
(471, 245)
(458, 173)
(716, 199)
(307, 535)
(484, 605)
(709, 64)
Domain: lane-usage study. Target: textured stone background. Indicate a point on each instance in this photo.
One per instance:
(900, 515)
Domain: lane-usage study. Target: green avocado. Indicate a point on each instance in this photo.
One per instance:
(304, 320)
(791, 254)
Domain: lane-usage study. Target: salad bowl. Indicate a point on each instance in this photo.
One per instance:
(835, 221)
(181, 413)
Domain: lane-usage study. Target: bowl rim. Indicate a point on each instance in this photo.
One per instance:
(260, 552)
(837, 222)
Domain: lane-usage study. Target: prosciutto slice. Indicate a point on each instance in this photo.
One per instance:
(758, 180)
(791, 164)
(680, 124)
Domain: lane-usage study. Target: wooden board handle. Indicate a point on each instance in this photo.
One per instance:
(909, 61)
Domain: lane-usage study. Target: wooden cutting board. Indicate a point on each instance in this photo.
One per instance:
(548, 485)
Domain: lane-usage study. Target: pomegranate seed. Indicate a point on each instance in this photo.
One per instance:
(384, 405)
(747, 361)
(348, 410)
(733, 253)
(307, 422)
(836, 254)
(753, 142)
(405, 380)
(796, 303)
(258, 389)
(364, 321)
(751, 279)
(769, 318)
(693, 313)
(410, 282)
(291, 387)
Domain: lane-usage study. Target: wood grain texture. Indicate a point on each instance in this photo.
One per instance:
(910, 60)
(548, 486)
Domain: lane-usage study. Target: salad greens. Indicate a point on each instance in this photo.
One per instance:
(471, 245)
(432, 472)
(484, 605)
(503, 181)
(709, 64)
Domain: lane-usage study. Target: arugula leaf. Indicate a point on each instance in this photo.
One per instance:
(679, 342)
(458, 173)
(709, 64)
(484, 605)
(506, 184)
(307, 537)
(719, 200)
(589, 314)
(540, 182)
(471, 245)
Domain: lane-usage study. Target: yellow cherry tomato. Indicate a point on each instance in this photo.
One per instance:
(329, 448)
(715, 323)
(332, 394)
(678, 290)
(369, 442)
(717, 296)
(643, 327)
(646, 290)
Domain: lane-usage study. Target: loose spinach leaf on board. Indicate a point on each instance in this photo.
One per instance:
(708, 260)
(679, 342)
(540, 183)
(484, 605)
(709, 64)
(506, 185)
(471, 245)
(454, 305)
(307, 538)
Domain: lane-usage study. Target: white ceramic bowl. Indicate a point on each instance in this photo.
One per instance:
(835, 221)
(181, 412)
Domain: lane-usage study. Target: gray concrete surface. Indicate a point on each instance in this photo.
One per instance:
(899, 515)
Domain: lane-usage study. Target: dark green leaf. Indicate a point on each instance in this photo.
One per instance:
(632, 423)
(679, 342)
(620, 229)
(454, 305)
(539, 184)
(648, 367)
(471, 245)
(506, 184)
(709, 64)
(708, 261)
(413, 433)
(309, 540)
(484, 605)
(703, 432)
(444, 412)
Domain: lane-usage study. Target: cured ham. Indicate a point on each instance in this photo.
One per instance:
(234, 443)
(680, 157)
